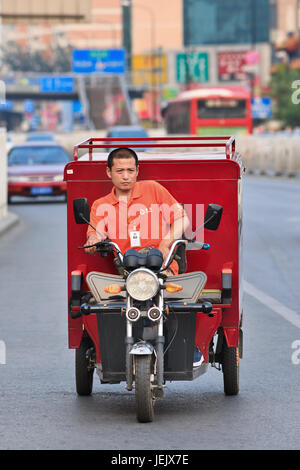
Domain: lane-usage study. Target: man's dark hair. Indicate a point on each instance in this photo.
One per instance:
(122, 152)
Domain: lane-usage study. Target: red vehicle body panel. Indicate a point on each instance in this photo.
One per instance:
(197, 179)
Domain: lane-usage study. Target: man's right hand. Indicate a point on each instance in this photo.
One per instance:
(90, 241)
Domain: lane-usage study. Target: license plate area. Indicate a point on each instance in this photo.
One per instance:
(41, 191)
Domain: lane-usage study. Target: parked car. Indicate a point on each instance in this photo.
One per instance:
(36, 169)
(40, 136)
(128, 132)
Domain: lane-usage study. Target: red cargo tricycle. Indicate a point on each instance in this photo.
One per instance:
(143, 327)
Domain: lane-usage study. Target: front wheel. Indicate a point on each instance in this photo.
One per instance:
(230, 368)
(143, 391)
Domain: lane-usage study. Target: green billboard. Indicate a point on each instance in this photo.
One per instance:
(192, 67)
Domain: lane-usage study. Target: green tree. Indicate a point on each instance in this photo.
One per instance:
(282, 90)
(18, 59)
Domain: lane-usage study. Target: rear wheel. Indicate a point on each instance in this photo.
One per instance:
(143, 391)
(230, 368)
(84, 369)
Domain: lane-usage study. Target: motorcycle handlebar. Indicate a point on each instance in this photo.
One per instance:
(103, 245)
(199, 245)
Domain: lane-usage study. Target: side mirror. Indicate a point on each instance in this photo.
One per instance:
(81, 210)
(213, 216)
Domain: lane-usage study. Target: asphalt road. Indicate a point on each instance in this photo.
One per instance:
(39, 408)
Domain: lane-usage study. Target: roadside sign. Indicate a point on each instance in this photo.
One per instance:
(261, 107)
(8, 105)
(29, 106)
(56, 84)
(149, 69)
(88, 61)
(252, 57)
(231, 65)
(192, 67)
(170, 93)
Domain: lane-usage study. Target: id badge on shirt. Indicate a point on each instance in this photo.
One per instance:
(135, 239)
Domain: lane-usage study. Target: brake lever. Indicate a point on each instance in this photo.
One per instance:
(193, 245)
(86, 246)
(97, 245)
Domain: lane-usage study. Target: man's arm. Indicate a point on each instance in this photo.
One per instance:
(92, 235)
(178, 226)
(175, 232)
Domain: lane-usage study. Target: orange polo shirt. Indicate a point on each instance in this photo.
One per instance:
(149, 213)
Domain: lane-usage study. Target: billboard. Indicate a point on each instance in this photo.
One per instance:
(57, 84)
(108, 61)
(192, 67)
(43, 11)
(149, 69)
(231, 65)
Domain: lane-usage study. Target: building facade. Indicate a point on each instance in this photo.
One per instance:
(287, 18)
(208, 22)
(177, 43)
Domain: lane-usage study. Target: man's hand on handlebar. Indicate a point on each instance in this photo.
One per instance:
(91, 241)
(164, 247)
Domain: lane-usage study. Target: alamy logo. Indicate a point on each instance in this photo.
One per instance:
(2, 92)
(296, 94)
(153, 222)
(2, 352)
(296, 354)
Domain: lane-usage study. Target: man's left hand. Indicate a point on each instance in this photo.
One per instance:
(164, 247)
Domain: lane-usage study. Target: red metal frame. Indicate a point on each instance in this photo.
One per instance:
(89, 144)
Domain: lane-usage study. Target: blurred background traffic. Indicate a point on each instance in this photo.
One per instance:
(200, 67)
(122, 60)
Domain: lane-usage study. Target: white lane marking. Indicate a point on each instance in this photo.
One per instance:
(285, 312)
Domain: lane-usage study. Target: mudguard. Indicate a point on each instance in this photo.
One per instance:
(141, 349)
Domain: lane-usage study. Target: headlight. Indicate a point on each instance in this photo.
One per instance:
(58, 178)
(142, 284)
(18, 179)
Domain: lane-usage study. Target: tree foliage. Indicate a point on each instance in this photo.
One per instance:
(283, 88)
(54, 60)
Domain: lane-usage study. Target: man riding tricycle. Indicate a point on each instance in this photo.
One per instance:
(154, 264)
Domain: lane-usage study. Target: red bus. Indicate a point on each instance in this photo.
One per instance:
(210, 111)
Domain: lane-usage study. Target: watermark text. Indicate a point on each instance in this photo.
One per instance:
(296, 354)
(296, 93)
(2, 352)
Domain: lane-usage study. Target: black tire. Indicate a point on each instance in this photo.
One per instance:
(143, 393)
(230, 368)
(83, 372)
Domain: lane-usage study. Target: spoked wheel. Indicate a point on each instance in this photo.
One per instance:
(143, 393)
(230, 368)
(84, 370)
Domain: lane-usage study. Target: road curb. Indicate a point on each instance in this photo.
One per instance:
(8, 222)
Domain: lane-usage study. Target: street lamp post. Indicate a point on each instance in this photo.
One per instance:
(152, 46)
(127, 5)
(127, 40)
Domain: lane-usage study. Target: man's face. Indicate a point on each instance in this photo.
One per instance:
(123, 173)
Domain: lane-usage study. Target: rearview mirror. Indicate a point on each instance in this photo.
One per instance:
(81, 210)
(213, 216)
